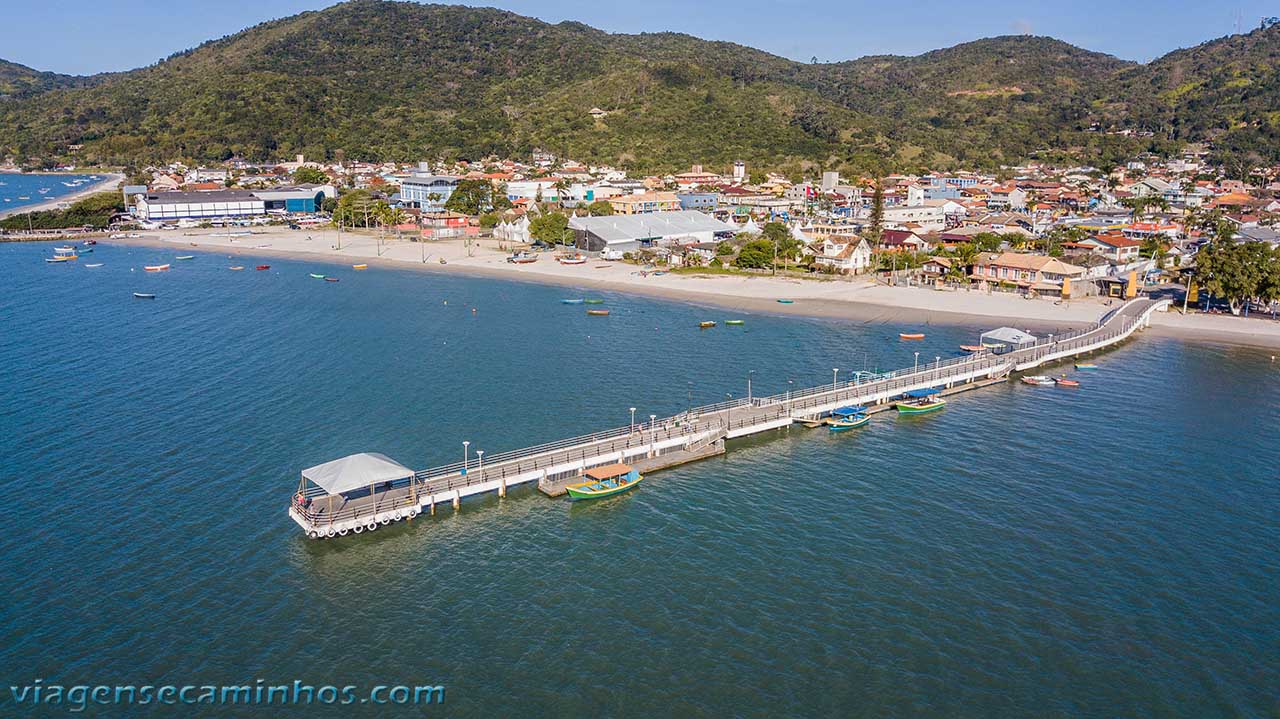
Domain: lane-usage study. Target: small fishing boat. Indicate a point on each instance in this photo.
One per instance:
(786, 302)
(571, 302)
(594, 301)
(1085, 365)
(598, 313)
(263, 267)
(144, 295)
(359, 267)
(920, 401)
(910, 336)
(97, 264)
(1064, 382)
(572, 260)
(1038, 380)
(734, 322)
(155, 268)
(64, 249)
(521, 258)
(84, 250)
(236, 268)
(91, 241)
(605, 481)
(973, 348)
(185, 257)
(706, 325)
(846, 418)
(314, 276)
(331, 279)
(59, 258)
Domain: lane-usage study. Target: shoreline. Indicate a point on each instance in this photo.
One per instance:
(856, 301)
(113, 179)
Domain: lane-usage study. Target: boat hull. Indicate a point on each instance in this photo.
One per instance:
(843, 426)
(904, 408)
(577, 493)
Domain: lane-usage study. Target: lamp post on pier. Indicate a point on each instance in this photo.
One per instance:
(835, 374)
(480, 458)
(917, 366)
(749, 373)
(790, 383)
(729, 410)
(465, 445)
(937, 368)
(633, 420)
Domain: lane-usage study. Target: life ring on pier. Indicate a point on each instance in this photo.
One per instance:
(342, 532)
(397, 515)
(313, 534)
(385, 521)
(359, 528)
(411, 513)
(372, 526)
(330, 533)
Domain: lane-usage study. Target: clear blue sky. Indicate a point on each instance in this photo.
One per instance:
(87, 36)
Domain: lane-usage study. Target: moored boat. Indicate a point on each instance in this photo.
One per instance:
(91, 241)
(707, 324)
(521, 258)
(594, 301)
(64, 249)
(1086, 365)
(920, 401)
(1038, 380)
(786, 302)
(236, 268)
(598, 313)
(571, 302)
(972, 348)
(734, 322)
(60, 258)
(185, 257)
(144, 295)
(263, 267)
(910, 335)
(84, 250)
(155, 268)
(1066, 382)
(848, 418)
(359, 267)
(96, 264)
(315, 276)
(572, 260)
(605, 481)
(331, 279)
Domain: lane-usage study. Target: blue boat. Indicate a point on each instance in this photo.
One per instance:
(848, 418)
(920, 401)
(572, 302)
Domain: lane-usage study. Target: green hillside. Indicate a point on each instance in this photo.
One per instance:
(405, 81)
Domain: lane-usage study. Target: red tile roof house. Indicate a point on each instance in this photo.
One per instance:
(902, 241)
(1113, 246)
(1029, 272)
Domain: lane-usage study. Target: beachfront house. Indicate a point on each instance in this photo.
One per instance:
(427, 192)
(848, 254)
(630, 233)
(1043, 274)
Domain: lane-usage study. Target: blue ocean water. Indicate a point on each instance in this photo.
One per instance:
(21, 190)
(1105, 551)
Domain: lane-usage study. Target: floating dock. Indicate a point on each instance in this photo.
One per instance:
(364, 492)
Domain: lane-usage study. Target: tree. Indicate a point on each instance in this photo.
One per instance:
(551, 228)
(756, 254)
(875, 227)
(310, 176)
(472, 197)
(600, 208)
(489, 220)
(987, 242)
(1235, 271)
(724, 247)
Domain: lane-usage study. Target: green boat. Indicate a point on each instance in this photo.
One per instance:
(605, 481)
(185, 257)
(786, 302)
(594, 302)
(734, 322)
(920, 401)
(314, 276)
(848, 418)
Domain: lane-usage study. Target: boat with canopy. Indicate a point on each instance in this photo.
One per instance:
(919, 401)
(845, 418)
(605, 481)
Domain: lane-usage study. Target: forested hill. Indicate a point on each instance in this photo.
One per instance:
(404, 81)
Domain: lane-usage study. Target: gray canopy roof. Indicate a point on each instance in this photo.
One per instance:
(1009, 336)
(355, 472)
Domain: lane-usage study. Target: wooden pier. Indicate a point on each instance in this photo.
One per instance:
(689, 436)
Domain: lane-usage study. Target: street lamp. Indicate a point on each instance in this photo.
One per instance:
(917, 367)
(729, 396)
(652, 426)
(633, 420)
(465, 445)
(790, 384)
(480, 457)
(749, 373)
(835, 373)
(937, 368)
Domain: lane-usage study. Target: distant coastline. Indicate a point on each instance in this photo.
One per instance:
(110, 182)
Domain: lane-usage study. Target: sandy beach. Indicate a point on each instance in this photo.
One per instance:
(110, 183)
(859, 299)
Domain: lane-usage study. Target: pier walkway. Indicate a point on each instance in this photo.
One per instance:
(694, 434)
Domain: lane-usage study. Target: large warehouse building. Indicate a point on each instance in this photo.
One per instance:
(628, 233)
(215, 204)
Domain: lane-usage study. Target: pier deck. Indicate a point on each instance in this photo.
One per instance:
(699, 432)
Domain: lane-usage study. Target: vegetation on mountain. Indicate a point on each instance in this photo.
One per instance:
(405, 81)
(95, 211)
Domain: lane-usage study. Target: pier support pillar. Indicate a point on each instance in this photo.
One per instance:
(433, 505)
(502, 487)
(457, 499)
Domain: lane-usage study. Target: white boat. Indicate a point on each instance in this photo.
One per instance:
(1038, 380)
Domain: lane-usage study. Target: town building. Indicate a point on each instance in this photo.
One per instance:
(628, 233)
(426, 191)
(645, 203)
(847, 254)
(168, 206)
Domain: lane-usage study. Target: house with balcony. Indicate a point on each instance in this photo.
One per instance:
(848, 254)
(645, 203)
(1046, 275)
(427, 192)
